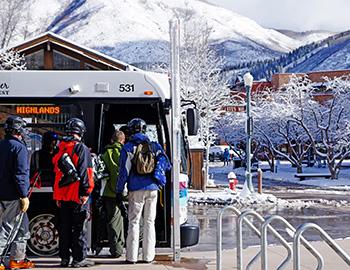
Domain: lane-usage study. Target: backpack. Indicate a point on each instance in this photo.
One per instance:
(144, 160)
(99, 167)
(67, 167)
(100, 174)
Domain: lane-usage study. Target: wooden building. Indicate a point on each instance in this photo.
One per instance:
(53, 52)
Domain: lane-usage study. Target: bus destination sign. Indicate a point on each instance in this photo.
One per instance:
(38, 110)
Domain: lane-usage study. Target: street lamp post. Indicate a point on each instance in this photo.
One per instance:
(248, 82)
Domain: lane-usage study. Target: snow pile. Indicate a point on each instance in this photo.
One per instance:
(256, 200)
(228, 197)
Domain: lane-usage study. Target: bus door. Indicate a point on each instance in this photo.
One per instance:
(116, 114)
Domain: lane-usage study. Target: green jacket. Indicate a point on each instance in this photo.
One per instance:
(111, 159)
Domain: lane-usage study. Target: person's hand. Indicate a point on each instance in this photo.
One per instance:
(121, 205)
(84, 199)
(58, 203)
(24, 204)
(119, 197)
(123, 210)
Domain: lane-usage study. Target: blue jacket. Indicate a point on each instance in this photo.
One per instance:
(14, 169)
(135, 181)
(226, 154)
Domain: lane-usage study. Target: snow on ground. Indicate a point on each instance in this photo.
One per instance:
(226, 196)
(254, 201)
(285, 172)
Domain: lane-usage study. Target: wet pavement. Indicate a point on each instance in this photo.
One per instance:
(326, 217)
(334, 220)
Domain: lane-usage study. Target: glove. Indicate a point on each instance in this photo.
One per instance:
(24, 204)
(119, 197)
(123, 210)
(84, 199)
(121, 205)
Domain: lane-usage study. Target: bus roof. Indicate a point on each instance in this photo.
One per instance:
(84, 84)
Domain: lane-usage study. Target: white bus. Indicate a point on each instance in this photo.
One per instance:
(104, 100)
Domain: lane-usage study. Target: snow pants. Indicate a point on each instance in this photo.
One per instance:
(9, 217)
(72, 231)
(115, 227)
(146, 201)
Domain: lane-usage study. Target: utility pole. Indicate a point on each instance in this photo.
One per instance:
(248, 82)
(174, 30)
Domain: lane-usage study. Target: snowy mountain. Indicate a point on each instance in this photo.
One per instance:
(330, 54)
(307, 37)
(136, 31)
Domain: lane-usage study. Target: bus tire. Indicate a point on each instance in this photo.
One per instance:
(43, 235)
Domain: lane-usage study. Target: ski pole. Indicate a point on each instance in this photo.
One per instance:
(18, 222)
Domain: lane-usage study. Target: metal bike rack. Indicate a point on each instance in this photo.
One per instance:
(296, 244)
(292, 253)
(241, 218)
(265, 226)
(219, 233)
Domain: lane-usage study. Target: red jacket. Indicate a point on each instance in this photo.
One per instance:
(82, 161)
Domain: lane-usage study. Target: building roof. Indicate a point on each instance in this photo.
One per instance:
(52, 38)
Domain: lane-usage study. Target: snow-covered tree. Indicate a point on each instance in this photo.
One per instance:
(330, 114)
(276, 113)
(230, 128)
(201, 79)
(11, 60)
(14, 20)
(303, 116)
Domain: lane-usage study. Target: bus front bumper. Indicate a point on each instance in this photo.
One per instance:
(189, 234)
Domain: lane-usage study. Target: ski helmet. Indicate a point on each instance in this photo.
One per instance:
(137, 125)
(75, 126)
(15, 124)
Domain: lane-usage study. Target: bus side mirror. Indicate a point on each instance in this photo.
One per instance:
(192, 121)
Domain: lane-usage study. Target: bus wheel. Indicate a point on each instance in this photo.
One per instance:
(43, 235)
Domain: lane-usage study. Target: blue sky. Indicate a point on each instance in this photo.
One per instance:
(298, 15)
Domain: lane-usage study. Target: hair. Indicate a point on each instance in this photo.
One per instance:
(118, 136)
(125, 130)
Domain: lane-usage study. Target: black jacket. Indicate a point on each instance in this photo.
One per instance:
(41, 161)
(14, 169)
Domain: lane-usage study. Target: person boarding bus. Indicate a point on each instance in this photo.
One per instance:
(143, 180)
(73, 184)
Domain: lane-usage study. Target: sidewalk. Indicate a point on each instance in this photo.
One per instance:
(207, 260)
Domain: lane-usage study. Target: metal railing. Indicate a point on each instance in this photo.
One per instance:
(241, 218)
(265, 226)
(325, 236)
(219, 233)
(262, 233)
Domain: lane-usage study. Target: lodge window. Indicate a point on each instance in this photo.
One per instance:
(35, 60)
(90, 67)
(62, 61)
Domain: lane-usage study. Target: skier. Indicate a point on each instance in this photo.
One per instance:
(14, 202)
